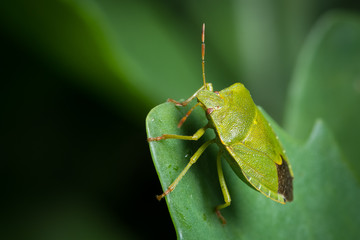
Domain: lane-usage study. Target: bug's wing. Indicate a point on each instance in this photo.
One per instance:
(258, 169)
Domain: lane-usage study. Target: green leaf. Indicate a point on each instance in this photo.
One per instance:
(325, 193)
(326, 83)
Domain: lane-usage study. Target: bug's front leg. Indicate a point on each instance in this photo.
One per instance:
(187, 101)
(187, 115)
(224, 189)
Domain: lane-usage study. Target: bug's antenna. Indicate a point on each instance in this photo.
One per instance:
(203, 53)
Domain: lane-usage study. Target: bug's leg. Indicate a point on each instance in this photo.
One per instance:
(193, 159)
(194, 137)
(224, 189)
(187, 115)
(187, 101)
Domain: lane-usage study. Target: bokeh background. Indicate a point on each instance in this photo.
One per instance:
(79, 77)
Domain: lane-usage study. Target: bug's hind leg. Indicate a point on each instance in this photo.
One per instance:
(193, 159)
(224, 189)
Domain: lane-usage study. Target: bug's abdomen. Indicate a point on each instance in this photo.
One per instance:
(262, 161)
(262, 138)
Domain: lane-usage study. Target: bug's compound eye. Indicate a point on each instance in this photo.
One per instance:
(209, 111)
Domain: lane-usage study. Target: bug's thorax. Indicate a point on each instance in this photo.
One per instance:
(230, 111)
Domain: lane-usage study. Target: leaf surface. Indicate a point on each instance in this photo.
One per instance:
(326, 84)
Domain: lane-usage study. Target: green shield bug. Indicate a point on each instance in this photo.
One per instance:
(244, 137)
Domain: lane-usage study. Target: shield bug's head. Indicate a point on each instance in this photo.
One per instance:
(235, 96)
(210, 100)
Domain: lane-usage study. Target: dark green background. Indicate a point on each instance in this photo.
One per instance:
(78, 78)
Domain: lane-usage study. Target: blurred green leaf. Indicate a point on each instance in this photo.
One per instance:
(323, 187)
(122, 50)
(326, 83)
